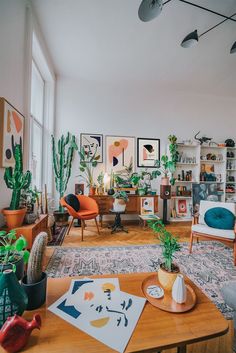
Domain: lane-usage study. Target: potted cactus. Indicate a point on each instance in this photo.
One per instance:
(35, 282)
(63, 153)
(16, 180)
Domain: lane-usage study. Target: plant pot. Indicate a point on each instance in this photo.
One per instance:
(92, 191)
(61, 218)
(20, 266)
(30, 218)
(14, 218)
(141, 192)
(36, 292)
(165, 181)
(166, 278)
(119, 205)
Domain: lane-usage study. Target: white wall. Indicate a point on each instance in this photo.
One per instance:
(12, 66)
(140, 112)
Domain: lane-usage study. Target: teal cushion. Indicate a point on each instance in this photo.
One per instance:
(220, 218)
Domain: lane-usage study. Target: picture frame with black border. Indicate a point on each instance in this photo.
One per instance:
(148, 151)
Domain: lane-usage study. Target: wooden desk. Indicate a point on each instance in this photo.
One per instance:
(133, 205)
(156, 329)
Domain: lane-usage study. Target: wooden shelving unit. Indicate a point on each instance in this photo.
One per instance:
(230, 185)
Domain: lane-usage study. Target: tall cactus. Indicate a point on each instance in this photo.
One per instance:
(62, 162)
(35, 264)
(16, 179)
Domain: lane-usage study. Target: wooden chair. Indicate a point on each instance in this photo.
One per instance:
(88, 210)
(201, 229)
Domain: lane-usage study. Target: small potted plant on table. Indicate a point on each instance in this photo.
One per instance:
(120, 200)
(28, 200)
(87, 165)
(168, 271)
(13, 253)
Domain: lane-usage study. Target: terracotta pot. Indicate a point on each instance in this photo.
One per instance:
(166, 278)
(14, 218)
(92, 190)
(165, 181)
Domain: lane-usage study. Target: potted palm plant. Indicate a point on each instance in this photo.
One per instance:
(120, 200)
(13, 253)
(87, 165)
(16, 180)
(168, 271)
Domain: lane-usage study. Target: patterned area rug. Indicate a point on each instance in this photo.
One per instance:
(58, 236)
(210, 266)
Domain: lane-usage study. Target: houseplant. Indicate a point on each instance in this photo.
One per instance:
(87, 165)
(168, 271)
(100, 180)
(63, 153)
(35, 282)
(143, 180)
(13, 253)
(28, 199)
(120, 200)
(16, 180)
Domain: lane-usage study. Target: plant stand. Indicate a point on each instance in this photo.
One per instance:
(117, 225)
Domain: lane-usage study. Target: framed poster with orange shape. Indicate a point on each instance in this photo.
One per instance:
(11, 132)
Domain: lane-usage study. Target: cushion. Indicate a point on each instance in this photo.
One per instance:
(204, 229)
(220, 218)
(206, 205)
(73, 202)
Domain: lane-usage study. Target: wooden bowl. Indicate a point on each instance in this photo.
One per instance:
(166, 303)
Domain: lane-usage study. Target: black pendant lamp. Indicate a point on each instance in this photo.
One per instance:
(149, 9)
(190, 40)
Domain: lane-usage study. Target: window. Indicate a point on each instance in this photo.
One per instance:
(41, 119)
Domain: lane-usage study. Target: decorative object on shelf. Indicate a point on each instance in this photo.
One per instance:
(148, 151)
(16, 180)
(15, 332)
(63, 153)
(13, 254)
(179, 293)
(147, 206)
(182, 207)
(229, 143)
(11, 132)
(87, 165)
(120, 151)
(35, 282)
(202, 140)
(120, 200)
(13, 299)
(92, 144)
(168, 270)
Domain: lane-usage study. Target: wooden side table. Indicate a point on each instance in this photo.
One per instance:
(117, 226)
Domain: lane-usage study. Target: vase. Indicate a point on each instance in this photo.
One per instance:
(13, 299)
(119, 205)
(179, 290)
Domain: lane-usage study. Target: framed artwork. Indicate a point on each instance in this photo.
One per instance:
(147, 206)
(79, 189)
(203, 191)
(182, 206)
(148, 150)
(92, 143)
(120, 152)
(11, 132)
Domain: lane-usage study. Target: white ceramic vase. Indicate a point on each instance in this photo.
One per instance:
(119, 205)
(179, 293)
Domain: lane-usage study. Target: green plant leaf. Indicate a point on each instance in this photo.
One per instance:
(82, 169)
(19, 244)
(3, 233)
(26, 256)
(94, 164)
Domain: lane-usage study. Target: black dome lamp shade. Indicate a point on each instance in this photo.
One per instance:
(233, 49)
(149, 9)
(190, 40)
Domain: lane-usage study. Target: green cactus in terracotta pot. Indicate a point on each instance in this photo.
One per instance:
(63, 153)
(16, 180)
(35, 264)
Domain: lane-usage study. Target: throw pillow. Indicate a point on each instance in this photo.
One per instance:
(220, 218)
(73, 201)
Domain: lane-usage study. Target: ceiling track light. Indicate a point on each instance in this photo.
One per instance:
(149, 9)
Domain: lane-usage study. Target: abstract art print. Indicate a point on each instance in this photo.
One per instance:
(147, 206)
(148, 150)
(203, 191)
(92, 144)
(120, 151)
(11, 132)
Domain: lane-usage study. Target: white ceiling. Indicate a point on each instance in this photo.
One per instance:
(104, 41)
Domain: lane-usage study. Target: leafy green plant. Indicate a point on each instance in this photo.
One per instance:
(143, 178)
(87, 165)
(121, 195)
(62, 162)
(100, 179)
(123, 177)
(11, 248)
(15, 179)
(29, 198)
(169, 243)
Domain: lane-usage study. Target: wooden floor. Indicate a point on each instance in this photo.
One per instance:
(140, 236)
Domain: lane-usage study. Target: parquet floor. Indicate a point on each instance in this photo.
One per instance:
(138, 236)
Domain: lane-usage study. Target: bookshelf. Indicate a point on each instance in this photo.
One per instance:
(230, 186)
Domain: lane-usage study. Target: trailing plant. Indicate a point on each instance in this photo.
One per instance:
(29, 197)
(169, 243)
(35, 265)
(11, 248)
(63, 153)
(15, 179)
(87, 165)
(143, 178)
(121, 195)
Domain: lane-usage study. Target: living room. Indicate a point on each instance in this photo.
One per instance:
(117, 172)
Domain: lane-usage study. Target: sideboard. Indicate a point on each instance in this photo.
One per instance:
(133, 205)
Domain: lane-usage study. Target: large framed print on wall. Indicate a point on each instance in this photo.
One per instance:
(148, 151)
(11, 132)
(92, 144)
(120, 152)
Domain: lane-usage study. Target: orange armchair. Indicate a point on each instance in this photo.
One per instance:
(88, 210)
